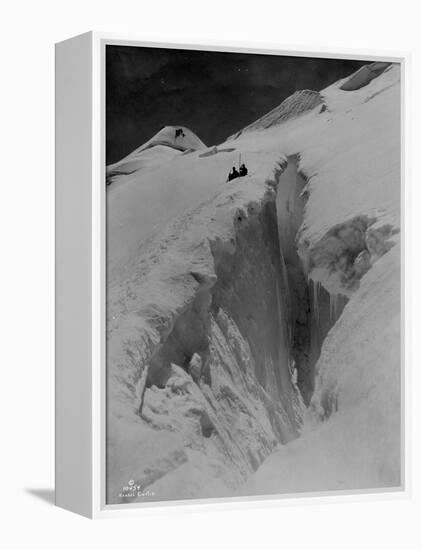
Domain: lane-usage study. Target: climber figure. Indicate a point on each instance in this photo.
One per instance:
(179, 132)
(243, 170)
(233, 174)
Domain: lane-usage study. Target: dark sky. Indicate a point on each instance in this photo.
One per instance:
(212, 93)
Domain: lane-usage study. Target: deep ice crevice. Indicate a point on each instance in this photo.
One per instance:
(312, 310)
(241, 400)
(233, 369)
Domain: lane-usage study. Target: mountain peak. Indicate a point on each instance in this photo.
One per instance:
(168, 142)
(178, 137)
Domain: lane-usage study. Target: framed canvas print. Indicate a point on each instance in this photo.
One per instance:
(229, 274)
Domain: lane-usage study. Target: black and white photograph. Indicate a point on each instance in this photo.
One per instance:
(253, 274)
(210, 275)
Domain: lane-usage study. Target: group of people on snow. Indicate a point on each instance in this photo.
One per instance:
(179, 132)
(237, 173)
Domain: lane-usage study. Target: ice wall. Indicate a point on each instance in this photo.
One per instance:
(312, 310)
(204, 393)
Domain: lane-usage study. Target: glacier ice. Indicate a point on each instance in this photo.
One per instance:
(248, 322)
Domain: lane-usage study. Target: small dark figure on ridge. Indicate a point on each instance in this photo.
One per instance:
(243, 170)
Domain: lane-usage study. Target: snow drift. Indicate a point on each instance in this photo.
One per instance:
(253, 326)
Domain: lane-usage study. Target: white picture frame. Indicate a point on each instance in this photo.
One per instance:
(81, 284)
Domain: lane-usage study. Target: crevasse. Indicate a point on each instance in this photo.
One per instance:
(255, 327)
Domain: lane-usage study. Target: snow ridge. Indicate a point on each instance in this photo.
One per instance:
(295, 105)
(166, 144)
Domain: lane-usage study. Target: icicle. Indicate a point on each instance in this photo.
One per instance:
(336, 306)
(331, 306)
(315, 285)
(333, 302)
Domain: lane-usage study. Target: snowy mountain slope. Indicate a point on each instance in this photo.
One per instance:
(297, 104)
(220, 297)
(180, 304)
(364, 76)
(144, 202)
(165, 145)
(141, 160)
